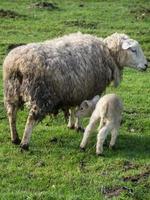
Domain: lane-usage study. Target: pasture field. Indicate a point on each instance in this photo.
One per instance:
(54, 168)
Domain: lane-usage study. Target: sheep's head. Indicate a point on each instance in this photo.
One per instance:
(126, 51)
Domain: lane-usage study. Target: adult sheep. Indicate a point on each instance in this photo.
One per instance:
(61, 73)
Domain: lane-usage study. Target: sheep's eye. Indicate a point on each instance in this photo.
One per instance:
(134, 50)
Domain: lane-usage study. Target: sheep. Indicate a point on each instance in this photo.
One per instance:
(112, 43)
(61, 73)
(108, 110)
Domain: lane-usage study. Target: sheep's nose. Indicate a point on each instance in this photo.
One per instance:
(146, 66)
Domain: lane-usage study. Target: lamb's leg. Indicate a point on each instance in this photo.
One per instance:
(102, 123)
(12, 112)
(114, 134)
(71, 118)
(88, 131)
(31, 121)
(103, 132)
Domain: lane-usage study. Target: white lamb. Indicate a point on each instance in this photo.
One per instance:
(108, 110)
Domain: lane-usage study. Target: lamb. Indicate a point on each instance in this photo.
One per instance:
(61, 73)
(84, 110)
(108, 110)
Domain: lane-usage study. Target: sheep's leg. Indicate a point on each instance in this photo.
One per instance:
(88, 131)
(78, 124)
(114, 134)
(66, 114)
(74, 122)
(71, 118)
(31, 122)
(103, 132)
(12, 112)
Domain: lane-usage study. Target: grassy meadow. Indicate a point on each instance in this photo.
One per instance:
(54, 168)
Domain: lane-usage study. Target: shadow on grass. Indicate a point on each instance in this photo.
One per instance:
(131, 146)
(127, 146)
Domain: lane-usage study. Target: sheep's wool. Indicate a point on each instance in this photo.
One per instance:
(58, 73)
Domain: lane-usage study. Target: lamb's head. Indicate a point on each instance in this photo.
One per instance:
(126, 51)
(86, 108)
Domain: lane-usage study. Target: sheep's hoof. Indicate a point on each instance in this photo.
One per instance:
(112, 147)
(80, 129)
(16, 141)
(105, 144)
(82, 149)
(71, 127)
(24, 147)
(100, 154)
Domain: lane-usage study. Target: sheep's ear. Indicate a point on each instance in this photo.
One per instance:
(126, 44)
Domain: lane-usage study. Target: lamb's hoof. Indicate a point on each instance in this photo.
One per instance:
(82, 149)
(80, 129)
(24, 147)
(16, 141)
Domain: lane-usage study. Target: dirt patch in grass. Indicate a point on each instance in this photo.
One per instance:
(40, 163)
(82, 166)
(138, 177)
(45, 5)
(81, 5)
(115, 191)
(81, 23)
(127, 165)
(140, 13)
(53, 140)
(57, 141)
(9, 14)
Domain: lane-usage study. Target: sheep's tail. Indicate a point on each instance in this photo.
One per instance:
(12, 86)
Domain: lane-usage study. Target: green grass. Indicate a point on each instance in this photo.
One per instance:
(59, 171)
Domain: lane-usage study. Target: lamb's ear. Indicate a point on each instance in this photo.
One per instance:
(85, 104)
(96, 99)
